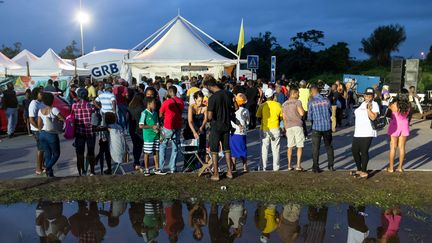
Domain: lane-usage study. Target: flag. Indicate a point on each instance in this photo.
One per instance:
(240, 43)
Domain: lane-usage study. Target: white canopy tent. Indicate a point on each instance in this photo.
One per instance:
(25, 56)
(50, 64)
(7, 65)
(104, 63)
(180, 51)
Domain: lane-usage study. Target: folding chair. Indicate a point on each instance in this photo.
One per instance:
(190, 147)
(205, 166)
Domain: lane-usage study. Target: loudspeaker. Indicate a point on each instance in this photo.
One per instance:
(396, 75)
(411, 73)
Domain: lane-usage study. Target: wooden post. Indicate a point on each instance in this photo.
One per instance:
(75, 65)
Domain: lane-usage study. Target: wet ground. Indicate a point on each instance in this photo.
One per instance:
(239, 221)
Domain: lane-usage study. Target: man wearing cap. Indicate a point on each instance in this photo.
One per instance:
(320, 116)
(270, 114)
(120, 92)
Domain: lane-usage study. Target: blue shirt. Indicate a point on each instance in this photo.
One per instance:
(106, 99)
(319, 110)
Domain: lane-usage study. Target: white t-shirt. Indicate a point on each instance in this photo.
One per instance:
(179, 90)
(355, 236)
(34, 108)
(242, 114)
(51, 115)
(162, 94)
(363, 127)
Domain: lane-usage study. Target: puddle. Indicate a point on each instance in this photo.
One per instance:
(192, 221)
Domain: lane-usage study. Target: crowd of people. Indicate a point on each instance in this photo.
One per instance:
(226, 223)
(219, 115)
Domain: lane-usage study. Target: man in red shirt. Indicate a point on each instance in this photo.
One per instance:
(121, 94)
(171, 113)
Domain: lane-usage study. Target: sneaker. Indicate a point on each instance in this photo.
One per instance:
(146, 173)
(159, 172)
(171, 172)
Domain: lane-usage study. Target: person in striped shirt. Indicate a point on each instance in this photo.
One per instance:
(320, 115)
(106, 101)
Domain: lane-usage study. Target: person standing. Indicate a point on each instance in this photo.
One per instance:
(48, 125)
(364, 132)
(25, 104)
(238, 144)
(220, 113)
(90, 89)
(136, 107)
(333, 98)
(197, 121)
(121, 95)
(35, 105)
(50, 87)
(350, 102)
(270, 114)
(398, 129)
(106, 101)
(293, 112)
(252, 95)
(171, 113)
(10, 104)
(304, 94)
(84, 132)
(319, 114)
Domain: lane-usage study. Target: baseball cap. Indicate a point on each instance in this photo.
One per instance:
(369, 91)
(269, 93)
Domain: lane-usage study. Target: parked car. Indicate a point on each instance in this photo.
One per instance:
(59, 102)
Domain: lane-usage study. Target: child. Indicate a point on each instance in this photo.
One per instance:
(150, 125)
(238, 139)
(117, 141)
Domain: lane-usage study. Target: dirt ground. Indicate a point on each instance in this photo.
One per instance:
(382, 188)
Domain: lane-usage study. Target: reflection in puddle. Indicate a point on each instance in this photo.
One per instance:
(194, 221)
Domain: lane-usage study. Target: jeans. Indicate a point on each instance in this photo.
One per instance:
(12, 117)
(122, 111)
(272, 137)
(360, 150)
(80, 144)
(174, 136)
(104, 154)
(137, 142)
(304, 118)
(316, 143)
(350, 115)
(51, 146)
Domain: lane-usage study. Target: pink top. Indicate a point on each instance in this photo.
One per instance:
(391, 224)
(399, 125)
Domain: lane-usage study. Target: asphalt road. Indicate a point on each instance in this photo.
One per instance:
(17, 155)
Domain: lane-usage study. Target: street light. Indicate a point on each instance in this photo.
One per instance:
(422, 54)
(82, 18)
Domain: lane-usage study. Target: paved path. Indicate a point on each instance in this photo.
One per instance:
(17, 155)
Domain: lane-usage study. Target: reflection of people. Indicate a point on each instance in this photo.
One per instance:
(357, 228)
(289, 227)
(219, 228)
(117, 208)
(266, 220)
(86, 223)
(391, 219)
(314, 231)
(153, 221)
(237, 218)
(51, 225)
(197, 219)
(174, 219)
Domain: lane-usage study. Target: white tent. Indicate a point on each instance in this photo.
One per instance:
(180, 51)
(7, 65)
(104, 63)
(50, 64)
(25, 56)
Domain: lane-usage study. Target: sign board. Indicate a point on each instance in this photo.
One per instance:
(273, 69)
(252, 62)
(104, 70)
(361, 82)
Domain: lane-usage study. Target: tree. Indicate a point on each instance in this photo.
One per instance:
(429, 56)
(334, 59)
(221, 51)
(263, 45)
(310, 39)
(70, 51)
(382, 42)
(11, 51)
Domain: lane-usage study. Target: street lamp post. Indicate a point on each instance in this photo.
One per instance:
(82, 18)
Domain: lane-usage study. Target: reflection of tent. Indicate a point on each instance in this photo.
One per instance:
(180, 51)
(50, 64)
(25, 56)
(7, 64)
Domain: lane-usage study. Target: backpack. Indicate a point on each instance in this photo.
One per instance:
(69, 131)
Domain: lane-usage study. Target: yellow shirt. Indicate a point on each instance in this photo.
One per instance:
(91, 92)
(270, 113)
(192, 91)
(304, 95)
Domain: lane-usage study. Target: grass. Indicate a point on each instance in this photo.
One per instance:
(410, 188)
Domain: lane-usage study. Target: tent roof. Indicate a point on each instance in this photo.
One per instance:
(103, 56)
(25, 56)
(5, 62)
(181, 44)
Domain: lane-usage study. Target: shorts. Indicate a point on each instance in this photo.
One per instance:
(217, 138)
(151, 146)
(80, 143)
(295, 137)
(36, 137)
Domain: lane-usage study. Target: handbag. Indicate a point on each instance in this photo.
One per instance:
(53, 124)
(70, 127)
(380, 122)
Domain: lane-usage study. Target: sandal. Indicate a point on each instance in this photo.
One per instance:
(299, 169)
(290, 169)
(363, 175)
(229, 175)
(390, 171)
(400, 170)
(214, 178)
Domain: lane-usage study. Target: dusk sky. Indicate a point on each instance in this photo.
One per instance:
(41, 24)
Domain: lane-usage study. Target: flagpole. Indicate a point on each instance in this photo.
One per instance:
(240, 42)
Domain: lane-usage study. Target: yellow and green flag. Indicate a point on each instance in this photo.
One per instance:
(240, 43)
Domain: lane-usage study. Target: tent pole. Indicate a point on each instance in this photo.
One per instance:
(75, 65)
(28, 69)
(162, 31)
(238, 69)
(151, 36)
(208, 36)
(5, 71)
